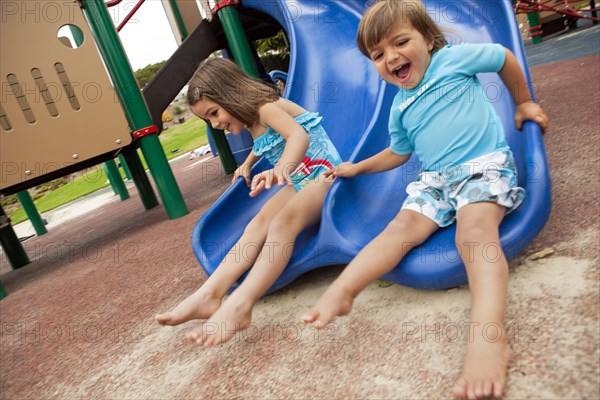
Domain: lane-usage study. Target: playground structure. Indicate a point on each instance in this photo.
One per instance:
(546, 17)
(61, 113)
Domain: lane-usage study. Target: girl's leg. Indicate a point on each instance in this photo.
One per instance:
(207, 299)
(235, 314)
(488, 352)
(407, 230)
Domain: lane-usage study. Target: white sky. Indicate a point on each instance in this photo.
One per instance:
(147, 37)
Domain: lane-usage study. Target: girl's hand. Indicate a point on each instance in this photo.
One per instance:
(266, 179)
(533, 112)
(344, 170)
(243, 171)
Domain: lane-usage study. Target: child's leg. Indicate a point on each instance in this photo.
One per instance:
(407, 230)
(207, 299)
(488, 352)
(235, 314)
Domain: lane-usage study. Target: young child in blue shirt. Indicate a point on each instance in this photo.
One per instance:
(468, 177)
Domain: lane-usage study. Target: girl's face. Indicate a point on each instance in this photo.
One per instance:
(218, 117)
(403, 56)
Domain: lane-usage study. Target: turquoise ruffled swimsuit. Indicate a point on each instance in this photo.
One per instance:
(320, 156)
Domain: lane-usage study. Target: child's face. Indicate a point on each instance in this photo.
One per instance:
(402, 57)
(218, 117)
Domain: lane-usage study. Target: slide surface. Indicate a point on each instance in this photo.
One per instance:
(329, 75)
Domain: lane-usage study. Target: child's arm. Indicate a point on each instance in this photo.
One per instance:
(514, 79)
(295, 148)
(244, 169)
(380, 162)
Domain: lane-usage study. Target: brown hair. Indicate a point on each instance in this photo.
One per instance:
(223, 82)
(383, 15)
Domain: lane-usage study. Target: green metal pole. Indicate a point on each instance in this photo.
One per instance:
(77, 35)
(227, 159)
(132, 100)
(2, 291)
(14, 251)
(124, 165)
(534, 20)
(110, 178)
(138, 174)
(236, 37)
(32, 212)
(242, 54)
(178, 19)
(140, 179)
(114, 177)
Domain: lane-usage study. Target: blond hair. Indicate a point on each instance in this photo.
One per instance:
(223, 82)
(383, 15)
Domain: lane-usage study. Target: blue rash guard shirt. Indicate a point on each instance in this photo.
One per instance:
(447, 119)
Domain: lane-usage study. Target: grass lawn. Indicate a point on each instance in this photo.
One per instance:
(185, 137)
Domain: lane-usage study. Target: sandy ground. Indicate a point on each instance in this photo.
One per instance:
(78, 321)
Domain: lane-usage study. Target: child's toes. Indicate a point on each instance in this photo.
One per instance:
(310, 316)
(460, 389)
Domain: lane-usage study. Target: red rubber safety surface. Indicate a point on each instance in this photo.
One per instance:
(78, 321)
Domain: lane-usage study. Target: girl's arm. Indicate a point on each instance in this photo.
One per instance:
(244, 169)
(514, 79)
(380, 162)
(296, 145)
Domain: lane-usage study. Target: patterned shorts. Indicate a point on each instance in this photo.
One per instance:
(488, 178)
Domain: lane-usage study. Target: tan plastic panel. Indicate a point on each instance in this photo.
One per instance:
(48, 123)
(190, 14)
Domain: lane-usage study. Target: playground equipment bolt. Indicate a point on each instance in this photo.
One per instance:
(28, 172)
(118, 141)
(75, 156)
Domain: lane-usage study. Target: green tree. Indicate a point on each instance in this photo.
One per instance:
(274, 52)
(146, 74)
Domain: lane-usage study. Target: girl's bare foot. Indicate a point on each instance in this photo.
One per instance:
(484, 369)
(199, 305)
(234, 315)
(335, 302)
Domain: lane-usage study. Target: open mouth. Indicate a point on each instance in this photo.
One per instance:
(402, 72)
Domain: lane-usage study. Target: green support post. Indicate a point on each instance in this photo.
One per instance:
(2, 291)
(179, 20)
(242, 54)
(534, 20)
(32, 212)
(124, 165)
(13, 249)
(135, 108)
(115, 179)
(138, 174)
(227, 159)
(77, 35)
(236, 37)
(110, 178)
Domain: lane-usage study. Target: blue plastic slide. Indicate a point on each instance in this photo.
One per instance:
(329, 75)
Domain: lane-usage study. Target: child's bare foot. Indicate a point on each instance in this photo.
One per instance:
(484, 369)
(199, 305)
(335, 302)
(234, 315)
